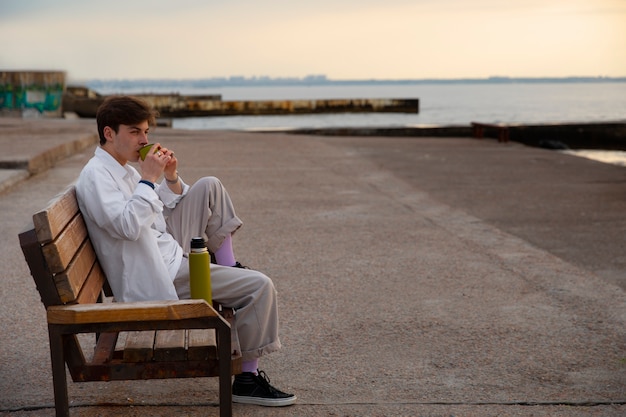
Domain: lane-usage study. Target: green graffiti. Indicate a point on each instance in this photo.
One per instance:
(7, 97)
(43, 98)
(53, 100)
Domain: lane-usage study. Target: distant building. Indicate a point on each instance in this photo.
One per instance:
(31, 93)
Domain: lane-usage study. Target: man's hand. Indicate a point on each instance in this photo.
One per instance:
(156, 163)
(170, 171)
(171, 174)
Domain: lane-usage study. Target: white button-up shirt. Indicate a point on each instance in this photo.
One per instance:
(127, 228)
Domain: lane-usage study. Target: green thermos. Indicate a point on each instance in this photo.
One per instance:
(200, 270)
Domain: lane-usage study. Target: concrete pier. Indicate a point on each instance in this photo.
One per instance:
(416, 276)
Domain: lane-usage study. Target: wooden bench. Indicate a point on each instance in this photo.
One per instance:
(133, 341)
(502, 131)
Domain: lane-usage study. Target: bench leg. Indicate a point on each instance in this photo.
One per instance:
(224, 355)
(59, 378)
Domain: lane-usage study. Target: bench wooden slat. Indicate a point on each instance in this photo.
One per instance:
(201, 344)
(139, 346)
(170, 345)
(60, 252)
(70, 281)
(128, 312)
(50, 221)
(104, 348)
(92, 288)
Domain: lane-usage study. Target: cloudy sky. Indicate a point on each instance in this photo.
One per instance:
(342, 39)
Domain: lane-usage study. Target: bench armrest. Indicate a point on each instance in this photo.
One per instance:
(129, 312)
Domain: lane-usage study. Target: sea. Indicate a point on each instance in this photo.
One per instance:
(451, 103)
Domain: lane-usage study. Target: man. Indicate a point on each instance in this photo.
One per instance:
(142, 230)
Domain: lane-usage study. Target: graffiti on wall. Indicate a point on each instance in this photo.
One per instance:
(41, 91)
(33, 97)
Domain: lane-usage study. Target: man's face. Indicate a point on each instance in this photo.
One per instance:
(125, 144)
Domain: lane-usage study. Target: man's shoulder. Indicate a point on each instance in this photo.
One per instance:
(100, 163)
(93, 167)
(95, 170)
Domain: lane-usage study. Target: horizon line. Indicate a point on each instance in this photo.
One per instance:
(323, 79)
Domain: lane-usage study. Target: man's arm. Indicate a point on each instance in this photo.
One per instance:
(107, 205)
(174, 183)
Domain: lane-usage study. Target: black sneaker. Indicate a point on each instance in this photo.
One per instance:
(249, 388)
(239, 265)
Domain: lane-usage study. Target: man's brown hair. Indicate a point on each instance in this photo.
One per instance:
(123, 110)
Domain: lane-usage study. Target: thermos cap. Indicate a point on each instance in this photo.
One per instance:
(197, 243)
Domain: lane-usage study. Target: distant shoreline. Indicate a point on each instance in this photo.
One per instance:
(322, 80)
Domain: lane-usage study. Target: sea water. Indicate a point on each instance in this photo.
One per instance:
(440, 104)
(452, 103)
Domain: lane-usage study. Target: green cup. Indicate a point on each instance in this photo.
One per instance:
(143, 152)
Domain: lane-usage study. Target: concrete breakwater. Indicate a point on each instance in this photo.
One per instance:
(85, 102)
(606, 136)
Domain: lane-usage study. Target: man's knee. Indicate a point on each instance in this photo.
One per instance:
(210, 182)
(263, 282)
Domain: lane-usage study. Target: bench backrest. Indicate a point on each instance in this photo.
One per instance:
(60, 255)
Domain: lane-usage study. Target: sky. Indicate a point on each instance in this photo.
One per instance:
(341, 39)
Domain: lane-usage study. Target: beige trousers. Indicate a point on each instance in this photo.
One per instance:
(207, 211)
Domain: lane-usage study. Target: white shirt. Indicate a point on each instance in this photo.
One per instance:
(127, 228)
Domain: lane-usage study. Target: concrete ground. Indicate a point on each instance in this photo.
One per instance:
(417, 276)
